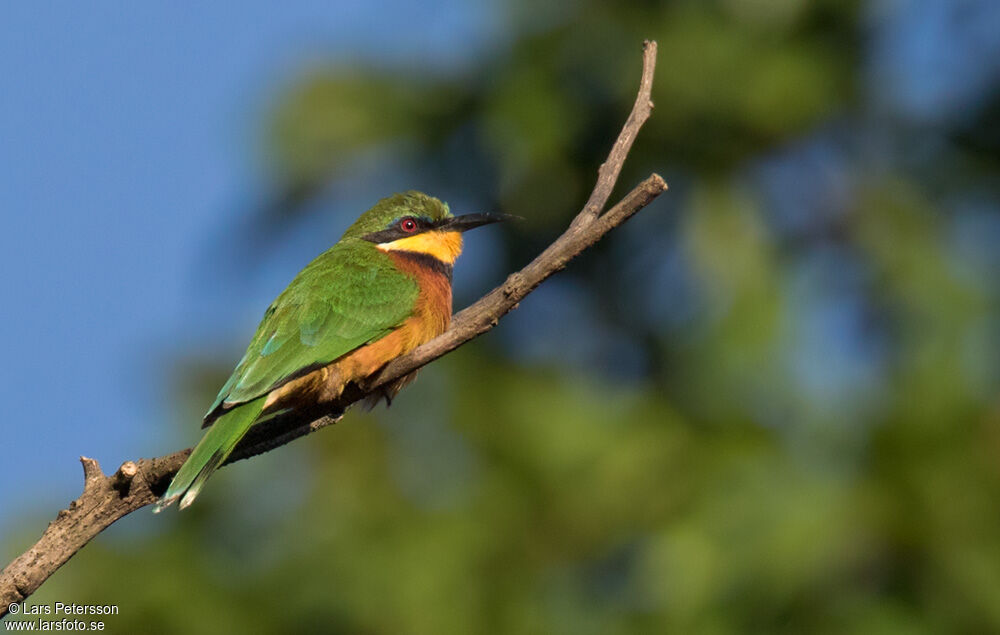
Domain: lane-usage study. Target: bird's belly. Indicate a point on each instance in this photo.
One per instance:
(432, 314)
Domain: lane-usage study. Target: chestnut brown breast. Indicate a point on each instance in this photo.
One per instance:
(431, 316)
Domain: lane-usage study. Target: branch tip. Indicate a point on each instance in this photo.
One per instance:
(607, 174)
(122, 479)
(127, 471)
(91, 469)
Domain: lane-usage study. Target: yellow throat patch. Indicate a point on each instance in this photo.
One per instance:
(443, 245)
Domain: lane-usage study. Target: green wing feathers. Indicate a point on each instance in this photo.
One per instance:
(347, 297)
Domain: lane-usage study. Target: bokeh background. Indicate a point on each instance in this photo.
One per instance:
(769, 403)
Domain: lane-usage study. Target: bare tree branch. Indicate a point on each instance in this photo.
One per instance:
(607, 174)
(136, 484)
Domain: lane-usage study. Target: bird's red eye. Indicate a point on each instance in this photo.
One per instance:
(408, 225)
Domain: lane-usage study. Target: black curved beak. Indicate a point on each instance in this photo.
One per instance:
(471, 221)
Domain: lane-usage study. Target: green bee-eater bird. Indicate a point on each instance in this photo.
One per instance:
(381, 291)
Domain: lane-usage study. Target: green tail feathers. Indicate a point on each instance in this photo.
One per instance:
(210, 453)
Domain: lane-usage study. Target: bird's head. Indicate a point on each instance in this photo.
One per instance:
(415, 222)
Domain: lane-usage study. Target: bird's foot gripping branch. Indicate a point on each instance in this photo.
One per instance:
(136, 484)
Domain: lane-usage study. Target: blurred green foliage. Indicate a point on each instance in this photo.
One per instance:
(757, 473)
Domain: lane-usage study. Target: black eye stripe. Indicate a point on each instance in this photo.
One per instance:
(395, 230)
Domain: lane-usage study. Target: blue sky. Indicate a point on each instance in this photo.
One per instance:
(129, 143)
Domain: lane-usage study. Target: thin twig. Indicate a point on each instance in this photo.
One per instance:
(607, 174)
(136, 484)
